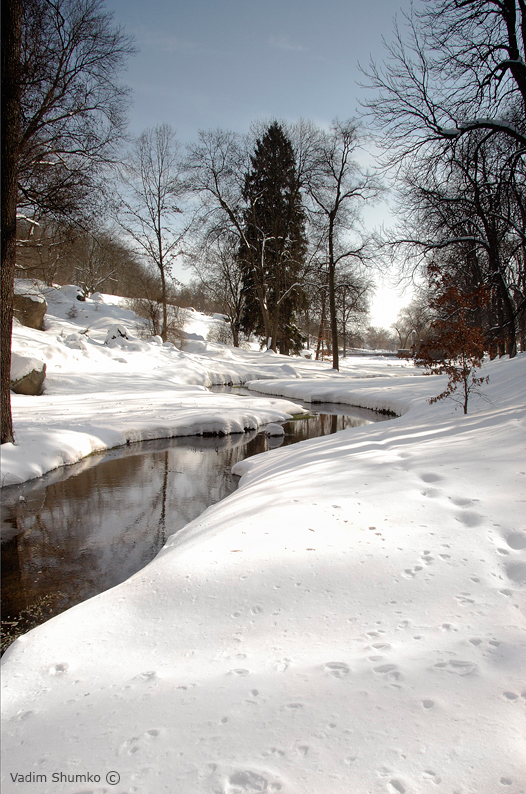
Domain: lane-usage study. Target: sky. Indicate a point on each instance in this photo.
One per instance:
(207, 64)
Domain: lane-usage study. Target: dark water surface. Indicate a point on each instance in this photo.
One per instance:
(85, 528)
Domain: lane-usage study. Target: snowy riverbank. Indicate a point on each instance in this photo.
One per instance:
(99, 396)
(352, 619)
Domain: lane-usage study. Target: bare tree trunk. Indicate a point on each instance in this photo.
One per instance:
(332, 299)
(11, 41)
(321, 328)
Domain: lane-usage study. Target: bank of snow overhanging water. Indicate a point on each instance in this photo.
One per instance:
(351, 619)
(102, 393)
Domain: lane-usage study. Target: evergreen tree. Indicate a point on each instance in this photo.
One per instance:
(273, 250)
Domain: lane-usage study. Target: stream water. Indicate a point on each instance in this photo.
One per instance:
(85, 528)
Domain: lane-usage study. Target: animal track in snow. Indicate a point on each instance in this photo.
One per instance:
(397, 786)
(461, 501)
(245, 781)
(469, 519)
(431, 492)
(463, 599)
(458, 667)
(430, 775)
(273, 751)
(389, 670)
(516, 540)
(149, 675)
(412, 572)
(337, 669)
(431, 477)
(58, 669)
(516, 571)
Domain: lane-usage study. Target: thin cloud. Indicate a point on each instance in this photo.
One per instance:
(283, 42)
(165, 41)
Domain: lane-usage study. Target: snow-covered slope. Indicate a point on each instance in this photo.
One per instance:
(350, 620)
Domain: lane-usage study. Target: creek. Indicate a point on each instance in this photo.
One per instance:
(82, 529)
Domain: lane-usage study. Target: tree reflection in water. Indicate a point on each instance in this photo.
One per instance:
(83, 529)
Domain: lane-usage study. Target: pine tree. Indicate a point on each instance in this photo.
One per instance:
(273, 251)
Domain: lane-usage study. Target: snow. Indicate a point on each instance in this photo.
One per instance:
(351, 619)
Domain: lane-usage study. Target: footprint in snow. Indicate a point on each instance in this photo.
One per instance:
(516, 571)
(457, 667)
(430, 775)
(337, 669)
(431, 477)
(461, 501)
(431, 492)
(244, 781)
(389, 670)
(516, 540)
(469, 519)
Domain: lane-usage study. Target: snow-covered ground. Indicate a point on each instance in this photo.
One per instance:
(350, 621)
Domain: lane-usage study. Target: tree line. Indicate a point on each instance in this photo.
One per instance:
(270, 221)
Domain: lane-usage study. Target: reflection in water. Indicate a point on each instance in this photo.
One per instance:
(81, 530)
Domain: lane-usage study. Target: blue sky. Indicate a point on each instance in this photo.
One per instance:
(204, 64)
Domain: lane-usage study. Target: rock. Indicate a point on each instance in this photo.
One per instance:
(27, 374)
(30, 310)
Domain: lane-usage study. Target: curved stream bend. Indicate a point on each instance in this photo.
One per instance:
(83, 529)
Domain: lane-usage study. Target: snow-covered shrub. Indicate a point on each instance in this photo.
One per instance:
(116, 333)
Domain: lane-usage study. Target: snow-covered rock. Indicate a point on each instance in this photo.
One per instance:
(30, 309)
(27, 374)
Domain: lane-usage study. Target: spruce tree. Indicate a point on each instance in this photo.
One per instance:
(273, 251)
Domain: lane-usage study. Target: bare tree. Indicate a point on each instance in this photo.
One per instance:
(149, 212)
(337, 186)
(413, 322)
(379, 338)
(216, 166)
(62, 116)
(11, 39)
(219, 271)
(450, 103)
(459, 68)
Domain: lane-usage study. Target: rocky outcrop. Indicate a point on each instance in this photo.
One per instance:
(30, 310)
(27, 374)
